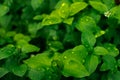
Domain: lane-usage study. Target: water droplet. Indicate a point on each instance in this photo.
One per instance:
(87, 19)
(83, 60)
(50, 22)
(49, 44)
(63, 4)
(102, 32)
(72, 52)
(65, 57)
(96, 36)
(49, 77)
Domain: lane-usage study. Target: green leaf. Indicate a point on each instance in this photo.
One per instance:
(33, 28)
(35, 74)
(77, 53)
(99, 6)
(100, 50)
(50, 20)
(108, 3)
(39, 17)
(88, 39)
(72, 59)
(64, 10)
(21, 36)
(113, 51)
(41, 61)
(27, 48)
(109, 63)
(36, 3)
(77, 0)
(3, 72)
(7, 51)
(86, 23)
(91, 63)
(114, 75)
(75, 69)
(115, 12)
(3, 9)
(20, 70)
(76, 7)
(69, 21)
(55, 45)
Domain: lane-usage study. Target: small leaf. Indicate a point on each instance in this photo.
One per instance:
(72, 60)
(69, 20)
(86, 23)
(55, 45)
(114, 75)
(20, 36)
(36, 3)
(39, 17)
(27, 48)
(50, 20)
(64, 10)
(75, 69)
(7, 51)
(113, 51)
(108, 3)
(35, 74)
(99, 6)
(77, 0)
(3, 72)
(109, 63)
(100, 51)
(115, 12)
(91, 63)
(88, 39)
(20, 70)
(76, 7)
(3, 10)
(41, 61)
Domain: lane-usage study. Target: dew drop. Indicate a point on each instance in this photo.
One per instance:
(72, 52)
(102, 32)
(65, 57)
(63, 4)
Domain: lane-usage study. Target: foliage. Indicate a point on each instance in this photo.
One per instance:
(59, 40)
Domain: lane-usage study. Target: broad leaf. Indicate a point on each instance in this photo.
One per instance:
(76, 7)
(50, 20)
(75, 69)
(115, 12)
(114, 75)
(27, 48)
(91, 63)
(20, 36)
(86, 23)
(36, 74)
(99, 6)
(100, 51)
(72, 59)
(41, 61)
(3, 9)
(7, 51)
(68, 21)
(109, 63)
(88, 39)
(113, 51)
(64, 10)
(36, 3)
(3, 72)
(20, 70)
